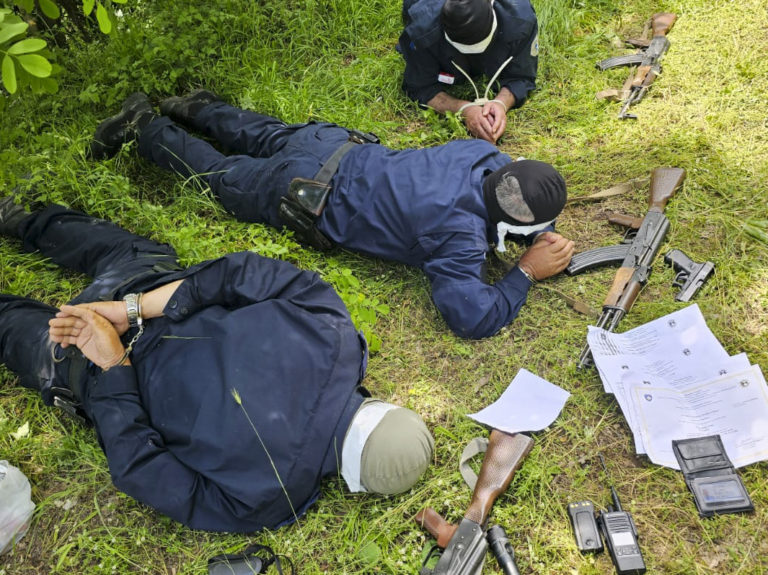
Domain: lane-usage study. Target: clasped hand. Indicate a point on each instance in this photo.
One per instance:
(549, 255)
(94, 328)
(486, 122)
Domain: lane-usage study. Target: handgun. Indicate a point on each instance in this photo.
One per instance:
(690, 274)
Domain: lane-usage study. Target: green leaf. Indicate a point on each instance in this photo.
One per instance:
(105, 24)
(27, 5)
(370, 553)
(27, 45)
(88, 6)
(9, 75)
(10, 31)
(35, 65)
(50, 85)
(50, 9)
(120, 1)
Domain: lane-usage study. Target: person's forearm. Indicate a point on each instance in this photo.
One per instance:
(153, 302)
(507, 97)
(443, 102)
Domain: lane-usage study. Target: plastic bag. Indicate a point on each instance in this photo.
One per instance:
(16, 505)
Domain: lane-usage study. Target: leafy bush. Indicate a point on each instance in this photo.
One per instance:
(26, 60)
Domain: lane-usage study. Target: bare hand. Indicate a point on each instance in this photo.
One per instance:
(478, 124)
(92, 333)
(497, 116)
(114, 311)
(549, 255)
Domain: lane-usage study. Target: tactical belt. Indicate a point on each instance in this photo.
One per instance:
(306, 199)
(70, 398)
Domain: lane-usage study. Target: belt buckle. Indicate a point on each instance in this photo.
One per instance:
(359, 137)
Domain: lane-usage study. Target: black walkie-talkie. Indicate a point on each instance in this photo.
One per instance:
(620, 535)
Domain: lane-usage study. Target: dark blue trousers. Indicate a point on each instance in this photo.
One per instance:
(119, 263)
(260, 156)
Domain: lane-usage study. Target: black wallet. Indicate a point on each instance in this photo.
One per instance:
(710, 476)
(255, 559)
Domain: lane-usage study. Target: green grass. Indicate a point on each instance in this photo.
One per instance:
(333, 60)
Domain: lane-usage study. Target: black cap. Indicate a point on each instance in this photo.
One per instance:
(467, 21)
(524, 193)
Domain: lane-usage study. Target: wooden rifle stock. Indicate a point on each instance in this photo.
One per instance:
(662, 22)
(664, 183)
(503, 457)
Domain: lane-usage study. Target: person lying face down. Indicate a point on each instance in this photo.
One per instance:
(446, 43)
(436, 208)
(221, 394)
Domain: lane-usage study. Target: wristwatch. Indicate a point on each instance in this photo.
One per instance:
(133, 309)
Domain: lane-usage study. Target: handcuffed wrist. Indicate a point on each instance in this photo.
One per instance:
(119, 362)
(527, 275)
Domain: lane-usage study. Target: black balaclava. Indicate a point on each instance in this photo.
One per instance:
(467, 21)
(524, 193)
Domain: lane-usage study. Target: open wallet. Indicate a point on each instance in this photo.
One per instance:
(710, 476)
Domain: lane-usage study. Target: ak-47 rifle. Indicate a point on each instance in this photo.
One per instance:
(465, 544)
(648, 62)
(636, 253)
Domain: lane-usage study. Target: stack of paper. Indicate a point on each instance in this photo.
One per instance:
(673, 380)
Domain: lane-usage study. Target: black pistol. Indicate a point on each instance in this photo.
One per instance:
(690, 274)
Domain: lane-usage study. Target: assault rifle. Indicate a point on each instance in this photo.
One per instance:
(636, 253)
(648, 62)
(466, 544)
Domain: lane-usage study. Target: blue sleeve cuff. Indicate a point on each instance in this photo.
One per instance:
(517, 280)
(116, 381)
(520, 91)
(182, 303)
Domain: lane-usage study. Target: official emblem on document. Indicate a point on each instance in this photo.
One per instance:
(535, 46)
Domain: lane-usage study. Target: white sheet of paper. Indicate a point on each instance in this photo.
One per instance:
(529, 403)
(672, 352)
(678, 378)
(734, 406)
(681, 335)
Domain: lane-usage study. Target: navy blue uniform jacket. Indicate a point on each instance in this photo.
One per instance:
(425, 208)
(428, 55)
(251, 374)
(422, 207)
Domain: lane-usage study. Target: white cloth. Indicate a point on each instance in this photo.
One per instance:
(503, 228)
(479, 47)
(365, 421)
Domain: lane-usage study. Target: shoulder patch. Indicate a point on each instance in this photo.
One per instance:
(535, 46)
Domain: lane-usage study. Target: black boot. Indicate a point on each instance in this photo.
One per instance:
(183, 109)
(112, 133)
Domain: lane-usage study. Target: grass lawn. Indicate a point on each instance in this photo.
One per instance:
(334, 60)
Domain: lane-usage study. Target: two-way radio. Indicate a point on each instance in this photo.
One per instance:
(617, 528)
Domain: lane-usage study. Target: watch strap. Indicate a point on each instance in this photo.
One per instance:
(133, 309)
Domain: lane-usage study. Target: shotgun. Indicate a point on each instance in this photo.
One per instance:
(465, 544)
(636, 256)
